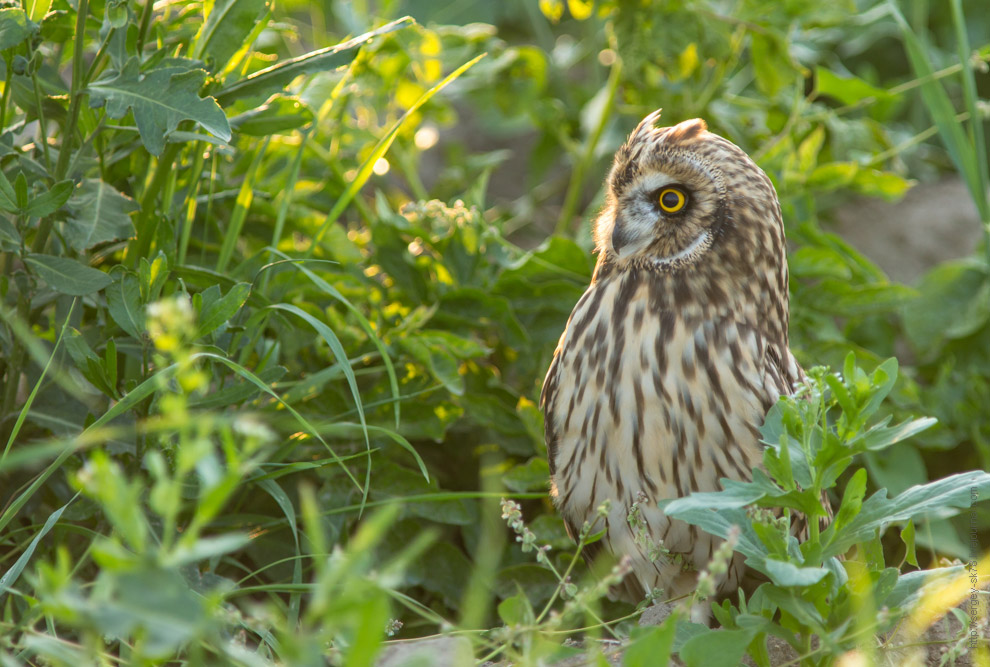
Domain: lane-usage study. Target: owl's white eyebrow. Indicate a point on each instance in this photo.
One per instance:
(703, 239)
(652, 182)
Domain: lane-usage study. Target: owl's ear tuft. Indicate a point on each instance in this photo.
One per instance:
(646, 126)
(689, 129)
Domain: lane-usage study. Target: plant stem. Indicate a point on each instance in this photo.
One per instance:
(75, 94)
(576, 185)
(145, 229)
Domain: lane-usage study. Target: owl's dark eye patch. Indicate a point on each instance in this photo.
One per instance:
(671, 199)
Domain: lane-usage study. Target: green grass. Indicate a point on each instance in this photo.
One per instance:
(264, 401)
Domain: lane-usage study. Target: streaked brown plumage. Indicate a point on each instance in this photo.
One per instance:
(676, 351)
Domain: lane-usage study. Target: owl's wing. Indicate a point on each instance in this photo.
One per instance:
(547, 403)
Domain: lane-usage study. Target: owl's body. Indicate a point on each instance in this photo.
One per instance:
(673, 356)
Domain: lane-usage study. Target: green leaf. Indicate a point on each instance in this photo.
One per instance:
(125, 305)
(719, 648)
(216, 310)
(784, 573)
(516, 610)
(160, 99)
(8, 198)
(155, 603)
(227, 25)
(9, 577)
(881, 436)
(98, 213)
(67, 275)
(770, 62)
(14, 27)
(49, 201)
(206, 548)
(280, 114)
(9, 234)
(530, 476)
(907, 536)
(939, 498)
(847, 89)
(277, 77)
(651, 645)
(954, 302)
(852, 500)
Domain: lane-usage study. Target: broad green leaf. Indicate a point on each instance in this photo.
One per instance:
(877, 183)
(852, 501)
(516, 611)
(124, 303)
(228, 23)
(98, 213)
(14, 27)
(153, 602)
(533, 475)
(770, 62)
(8, 197)
(650, 646)
(49, 201)
(719, 648)
(280, 114)
(159, 99)
(277, 77)
(939, 498)
(847, 89)
(218, 310)
(954, 302)
(784, 573)
(9, 234)
(206, 548)
(67, 275)
(832, 175)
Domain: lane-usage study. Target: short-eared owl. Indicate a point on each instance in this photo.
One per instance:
(676, 351)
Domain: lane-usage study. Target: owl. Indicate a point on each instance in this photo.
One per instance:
(674, 354)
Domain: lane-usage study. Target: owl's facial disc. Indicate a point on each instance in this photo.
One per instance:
(655, 216)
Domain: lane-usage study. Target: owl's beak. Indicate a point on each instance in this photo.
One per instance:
(629, 236)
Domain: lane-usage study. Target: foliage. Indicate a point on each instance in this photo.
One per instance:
(276, 311)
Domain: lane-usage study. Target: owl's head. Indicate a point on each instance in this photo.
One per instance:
(681, 197)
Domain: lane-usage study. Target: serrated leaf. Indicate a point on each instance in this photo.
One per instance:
(216, 312)
(159, 99)
(277, 77)
(227, 25)
(98, 213)
(125, 305)
(937, 498)
(67, 275)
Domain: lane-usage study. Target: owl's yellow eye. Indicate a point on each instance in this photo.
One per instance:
(672, 200)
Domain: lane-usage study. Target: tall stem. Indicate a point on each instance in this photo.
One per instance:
(75, 94)
(576, 186)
